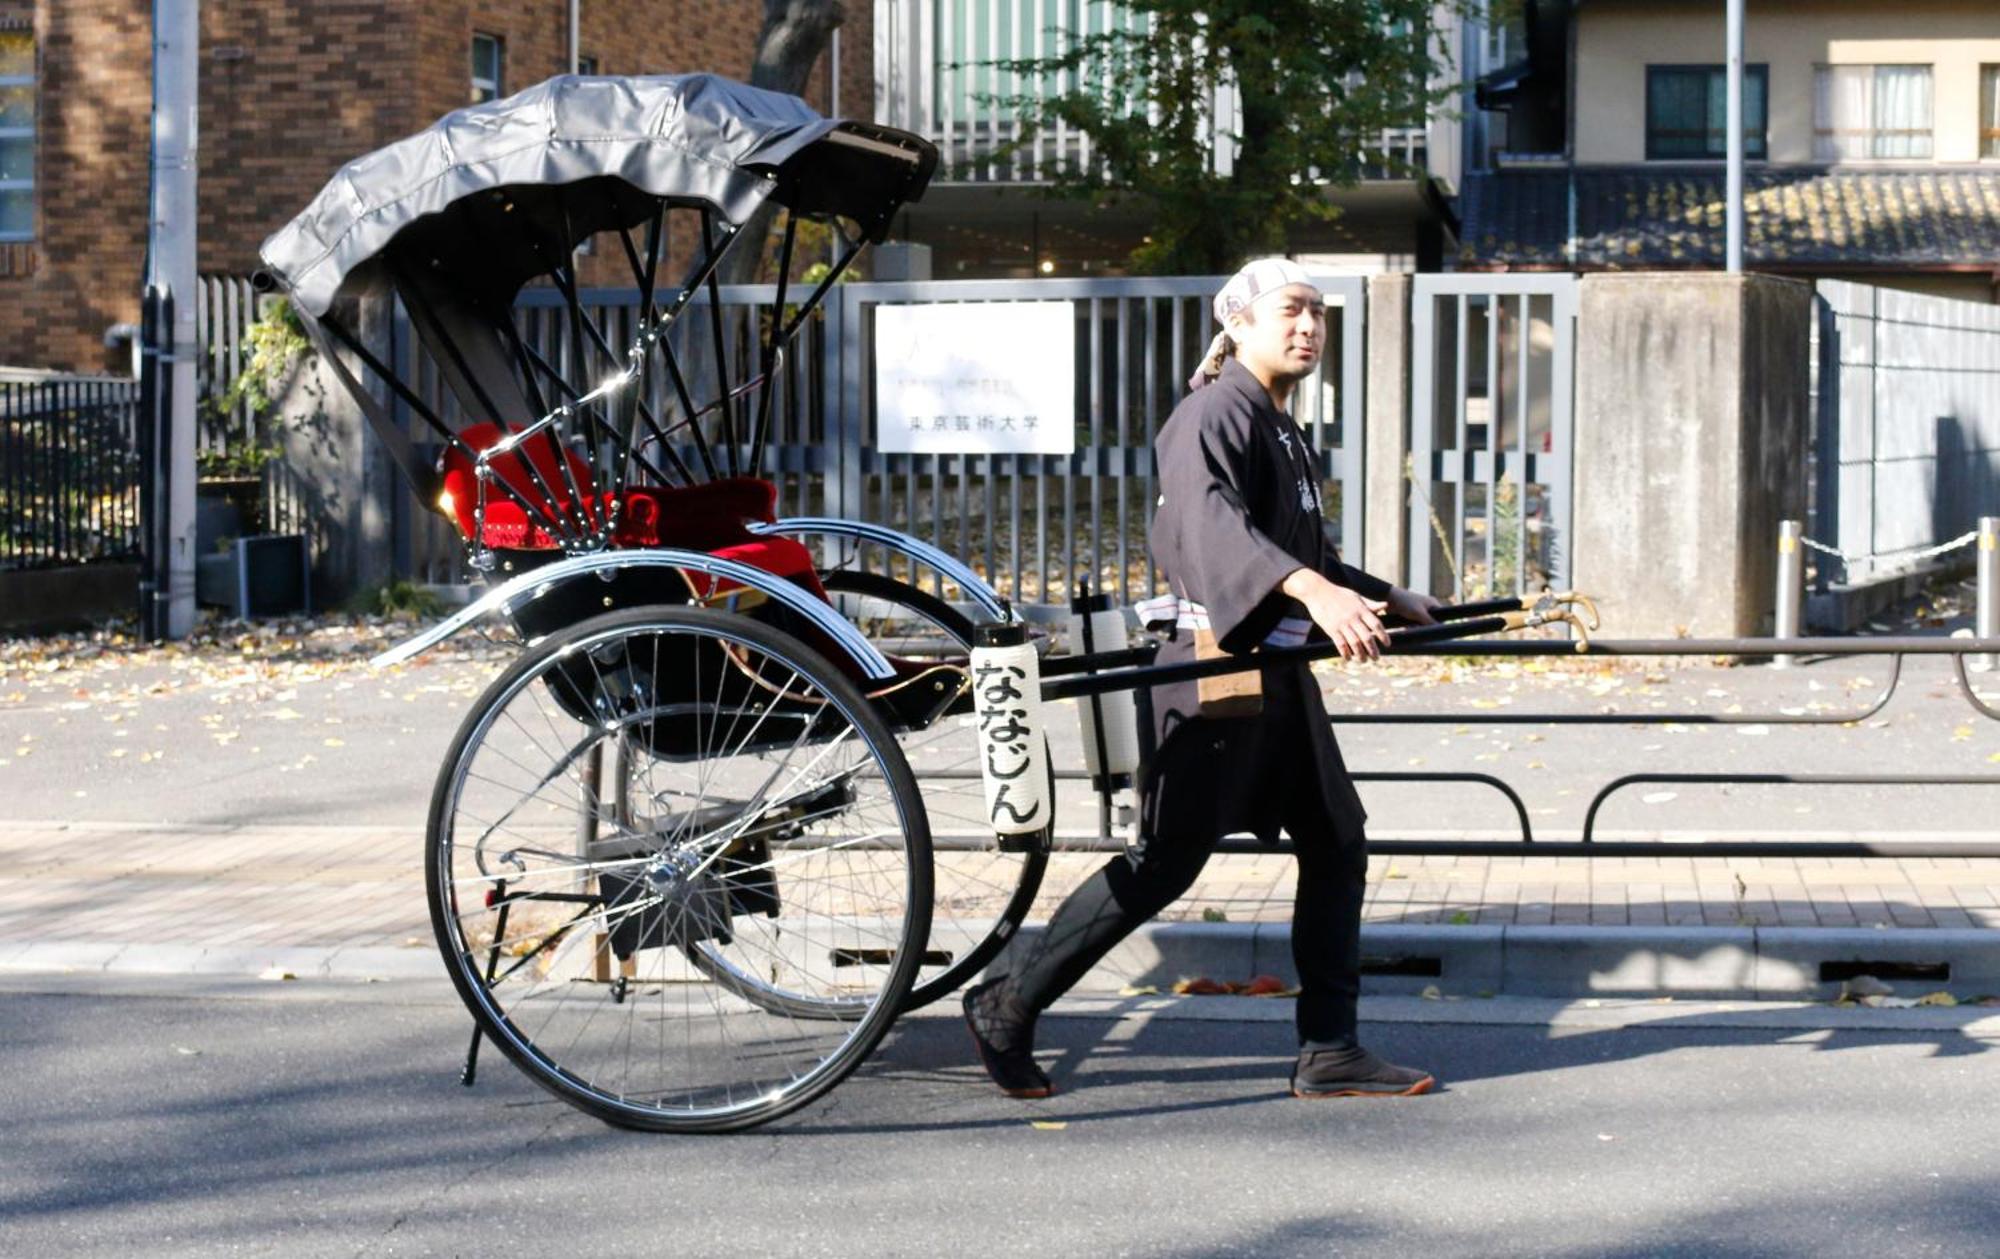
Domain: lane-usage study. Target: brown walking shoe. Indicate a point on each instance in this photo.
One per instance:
(1005, 1038)
(1324, 1073)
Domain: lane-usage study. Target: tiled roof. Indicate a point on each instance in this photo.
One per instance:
(1654, 216)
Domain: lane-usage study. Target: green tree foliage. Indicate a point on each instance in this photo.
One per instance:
(1317, 81)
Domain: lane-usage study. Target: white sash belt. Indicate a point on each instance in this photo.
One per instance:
(1170, 610)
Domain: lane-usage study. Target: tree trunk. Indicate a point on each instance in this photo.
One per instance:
(794, 35)
(789, 44)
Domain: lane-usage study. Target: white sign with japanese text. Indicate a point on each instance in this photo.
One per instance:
(975, 378)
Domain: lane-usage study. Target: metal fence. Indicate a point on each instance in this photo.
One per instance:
(1033, 524)
(1907, 448)
(1491, 423)
(797, 457)
(235, 432)
(225, 308)
(69, 471)
(1029, 523)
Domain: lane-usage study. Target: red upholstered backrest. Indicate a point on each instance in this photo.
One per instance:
(705, 517)
(461, 485)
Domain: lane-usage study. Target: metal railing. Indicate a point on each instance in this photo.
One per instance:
(1897, 648)
(69, 471)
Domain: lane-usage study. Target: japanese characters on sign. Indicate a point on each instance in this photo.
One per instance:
(975, 378)
(1007, 705)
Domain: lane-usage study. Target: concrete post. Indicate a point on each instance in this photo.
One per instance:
(1386, 517)
(1791, 585)
(1691, 436)
(1986, 617)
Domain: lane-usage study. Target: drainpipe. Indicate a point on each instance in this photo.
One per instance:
(1733, 214)
(575, 36)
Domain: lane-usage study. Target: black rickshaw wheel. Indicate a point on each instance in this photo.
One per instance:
(678, 869)
(982, 892)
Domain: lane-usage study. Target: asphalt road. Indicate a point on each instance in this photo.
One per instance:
(299, 1119)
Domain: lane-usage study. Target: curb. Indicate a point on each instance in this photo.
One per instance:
(111, 958)
(1788, 963)
(1723, 963)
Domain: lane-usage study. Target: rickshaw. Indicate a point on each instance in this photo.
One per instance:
(678, 863)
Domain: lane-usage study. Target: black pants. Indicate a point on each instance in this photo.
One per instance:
(1178, 838)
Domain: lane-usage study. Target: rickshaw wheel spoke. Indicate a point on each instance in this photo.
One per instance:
(711, 915)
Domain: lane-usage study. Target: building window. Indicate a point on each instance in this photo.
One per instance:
(489, 64)
(1687, 112)
(17, 135)
(1871, 111)
(1989, 111)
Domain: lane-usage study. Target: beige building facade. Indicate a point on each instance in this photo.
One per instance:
(1872, 142)
(1617, 40)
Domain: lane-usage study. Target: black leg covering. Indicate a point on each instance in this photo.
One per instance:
(1109, 906)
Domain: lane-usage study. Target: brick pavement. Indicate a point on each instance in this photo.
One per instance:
(274, 887)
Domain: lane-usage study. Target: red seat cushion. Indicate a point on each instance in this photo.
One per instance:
(713, 516)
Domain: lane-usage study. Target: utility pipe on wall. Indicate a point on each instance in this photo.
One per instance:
(1733, 214)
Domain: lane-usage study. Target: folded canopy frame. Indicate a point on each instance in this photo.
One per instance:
(524, 182)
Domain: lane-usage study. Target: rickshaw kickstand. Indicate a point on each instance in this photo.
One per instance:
(470, 1073)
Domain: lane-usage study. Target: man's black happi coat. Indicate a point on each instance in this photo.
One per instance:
(1239, 511)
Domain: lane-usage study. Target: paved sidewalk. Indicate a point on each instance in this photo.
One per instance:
(247, 891)
(186, 781)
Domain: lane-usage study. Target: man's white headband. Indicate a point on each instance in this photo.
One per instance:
(1264, 275)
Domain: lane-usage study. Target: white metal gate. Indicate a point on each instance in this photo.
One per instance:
(1492, 410)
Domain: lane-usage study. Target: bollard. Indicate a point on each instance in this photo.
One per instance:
(1791, 585)
(1986, 618)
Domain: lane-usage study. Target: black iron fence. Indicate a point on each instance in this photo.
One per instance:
(69, 471)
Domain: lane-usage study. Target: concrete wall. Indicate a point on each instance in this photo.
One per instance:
(1691, 433)
(1385, 519)
(1617, 39)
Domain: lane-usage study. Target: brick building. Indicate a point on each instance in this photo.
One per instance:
(289, 91)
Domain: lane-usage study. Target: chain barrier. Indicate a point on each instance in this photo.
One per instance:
(1963, 539)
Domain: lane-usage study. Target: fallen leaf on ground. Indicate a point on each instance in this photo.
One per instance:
(1048, 1125)
(1937, 998)
(1139, 990)
(1266, 986)
(1431, 992)
(1202, 986)
(275, 972)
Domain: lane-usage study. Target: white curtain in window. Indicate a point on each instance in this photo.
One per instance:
(1902, 111)
(1843, 112)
